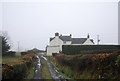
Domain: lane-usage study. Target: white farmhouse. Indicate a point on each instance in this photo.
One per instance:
(56, 43)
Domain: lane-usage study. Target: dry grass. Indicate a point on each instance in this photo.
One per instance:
(9, 60)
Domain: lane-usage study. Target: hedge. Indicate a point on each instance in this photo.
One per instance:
(9, 53)
(98, 66)
(89, 49)
(19, 70)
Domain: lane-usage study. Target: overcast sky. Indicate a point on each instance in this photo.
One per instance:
(33, 23)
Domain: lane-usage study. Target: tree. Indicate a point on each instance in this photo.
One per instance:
(5, 45)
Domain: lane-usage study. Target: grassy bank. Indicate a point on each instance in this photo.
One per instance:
(45, 70)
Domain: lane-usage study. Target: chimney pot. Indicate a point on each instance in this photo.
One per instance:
(57, 34)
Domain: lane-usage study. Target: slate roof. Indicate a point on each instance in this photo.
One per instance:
(74, 40)
(78, 40)
(65, 38)
(92, 41)
(52, 38)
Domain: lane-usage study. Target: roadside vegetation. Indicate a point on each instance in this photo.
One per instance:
(45, 71)
(89, 49)
(31, 71)
(89, 66)
(18, 68)
(118, 61)
(60, 70)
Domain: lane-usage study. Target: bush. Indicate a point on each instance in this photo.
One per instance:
(7, 71)
(118, 61)
(19, 70)
(9, 53)
(23, 53)
(99, 66)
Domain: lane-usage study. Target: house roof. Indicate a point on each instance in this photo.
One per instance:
(65, 38)
(78, 40)
(52, 38)
(92, 41)
(73, 40)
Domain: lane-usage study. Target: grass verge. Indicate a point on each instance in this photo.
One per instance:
(61, 69)
(45, 70)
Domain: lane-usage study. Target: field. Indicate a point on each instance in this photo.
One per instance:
(89, 66)
(9, 60)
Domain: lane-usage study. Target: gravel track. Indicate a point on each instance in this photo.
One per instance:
(54, 73)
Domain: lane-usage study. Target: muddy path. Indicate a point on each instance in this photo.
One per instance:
(38, 68)
(54, 73)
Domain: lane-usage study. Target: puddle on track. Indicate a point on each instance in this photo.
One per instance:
(38, 69)
(54, 73)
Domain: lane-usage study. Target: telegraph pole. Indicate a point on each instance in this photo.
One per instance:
(18, 46)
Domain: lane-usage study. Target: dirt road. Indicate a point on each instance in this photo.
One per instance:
(38, 69)
(53, 72)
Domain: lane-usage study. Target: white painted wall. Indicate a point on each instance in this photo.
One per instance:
(57, 41)
(56, 45)
(52, 49)
(88, 42)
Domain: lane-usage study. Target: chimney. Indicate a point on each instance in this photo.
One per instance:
(88, 36)
(57, 34)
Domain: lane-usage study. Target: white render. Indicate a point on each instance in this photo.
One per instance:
(56, 44)
(88, 42)
(52, 49)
